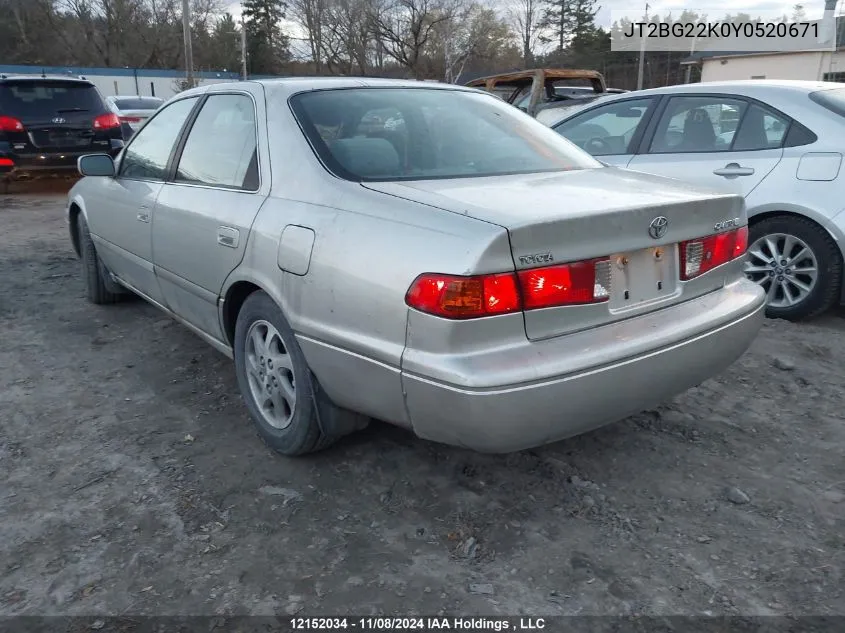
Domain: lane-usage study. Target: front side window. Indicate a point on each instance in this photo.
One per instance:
(221, 149)
(430, 134)
(145, 158)
(697, 124)
(608, 129)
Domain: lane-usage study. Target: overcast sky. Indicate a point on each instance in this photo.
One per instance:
(714, 8)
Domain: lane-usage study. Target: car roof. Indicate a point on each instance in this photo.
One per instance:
(79, 80)
(742, 86)
(293, 85)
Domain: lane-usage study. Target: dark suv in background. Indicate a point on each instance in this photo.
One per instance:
(46, 123)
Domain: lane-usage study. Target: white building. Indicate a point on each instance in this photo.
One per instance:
(810, 65)
(806, 65)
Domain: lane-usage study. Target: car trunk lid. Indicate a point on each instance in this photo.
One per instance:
(635, 220)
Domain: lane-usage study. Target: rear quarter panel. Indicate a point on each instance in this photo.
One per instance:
(349, 310)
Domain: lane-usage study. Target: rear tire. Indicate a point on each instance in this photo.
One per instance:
(98, 289)
(291, 412)
(797, 263)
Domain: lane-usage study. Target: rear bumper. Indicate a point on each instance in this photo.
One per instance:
(619, 370)
(63, 163)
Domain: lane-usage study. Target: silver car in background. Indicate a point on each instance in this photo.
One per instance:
(133, 111)
(463, 272)
(779, 144)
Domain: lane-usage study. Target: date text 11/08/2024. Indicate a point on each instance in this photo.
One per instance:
(439, 623)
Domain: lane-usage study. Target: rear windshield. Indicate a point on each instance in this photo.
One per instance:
(137, 104)
(36, 99)
(833, 100)
(416, 133)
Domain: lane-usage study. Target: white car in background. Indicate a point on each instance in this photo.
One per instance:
(780, 144)
(133, 111)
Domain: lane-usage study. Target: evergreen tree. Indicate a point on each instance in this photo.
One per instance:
(557, 22)
(267, 46)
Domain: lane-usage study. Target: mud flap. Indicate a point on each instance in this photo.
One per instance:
(333, 421)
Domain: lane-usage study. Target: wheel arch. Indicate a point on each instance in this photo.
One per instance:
(74, 209)
(233, 301)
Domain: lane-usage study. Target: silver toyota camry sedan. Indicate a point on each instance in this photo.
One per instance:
(421, 254)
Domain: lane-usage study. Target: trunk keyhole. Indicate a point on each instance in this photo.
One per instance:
(627, 294)
(660, 285)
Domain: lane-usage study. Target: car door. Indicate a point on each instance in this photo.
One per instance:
(120, 215)
(609, 131)
(205, 210)
(720, 141)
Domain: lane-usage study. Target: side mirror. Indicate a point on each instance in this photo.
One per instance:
(95, 165)
(117, 144)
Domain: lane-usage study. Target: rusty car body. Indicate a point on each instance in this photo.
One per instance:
(533, 90)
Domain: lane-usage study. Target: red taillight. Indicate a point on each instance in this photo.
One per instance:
(566, 284)
(706, 253)
(106, 121)
(130, 119)
(10, 124)
(7, 162)
(456, 297)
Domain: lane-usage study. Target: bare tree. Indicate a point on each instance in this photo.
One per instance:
(525, 16)
(407, 26)
(311, 15)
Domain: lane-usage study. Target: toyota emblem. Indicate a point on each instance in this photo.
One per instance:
(657, 228)
(58, 119)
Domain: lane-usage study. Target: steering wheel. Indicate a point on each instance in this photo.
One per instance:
(597, 145)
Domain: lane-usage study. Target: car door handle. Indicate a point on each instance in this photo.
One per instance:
(734, 169)
(227, 236)
(144, 214)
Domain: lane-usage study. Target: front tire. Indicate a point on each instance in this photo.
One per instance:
(98, 289)
(797, 263)
(292, 414)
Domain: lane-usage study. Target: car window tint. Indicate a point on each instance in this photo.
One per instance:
(43, 99)
(697, 124)
(146, 157)
(221, 149)
(760, 129)
(607, 129)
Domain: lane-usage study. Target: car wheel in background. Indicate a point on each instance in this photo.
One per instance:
(797, 263)
(293, 415)
(99, 289)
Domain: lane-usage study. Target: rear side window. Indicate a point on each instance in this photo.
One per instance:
(697, 124)
(221, 149)
(32, 99)
(833, 100)
(760, 129)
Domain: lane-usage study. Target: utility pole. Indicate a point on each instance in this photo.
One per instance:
(689, 64)
(243, 48)
(642, 54)
(189, 53)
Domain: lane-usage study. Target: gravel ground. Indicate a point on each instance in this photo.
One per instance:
(132, 482)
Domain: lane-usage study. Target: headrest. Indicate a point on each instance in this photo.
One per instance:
(366, 157)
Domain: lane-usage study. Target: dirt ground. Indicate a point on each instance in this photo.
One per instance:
(132, 482)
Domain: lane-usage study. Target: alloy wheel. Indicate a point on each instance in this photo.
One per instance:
(269, 370)
(785, 266)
